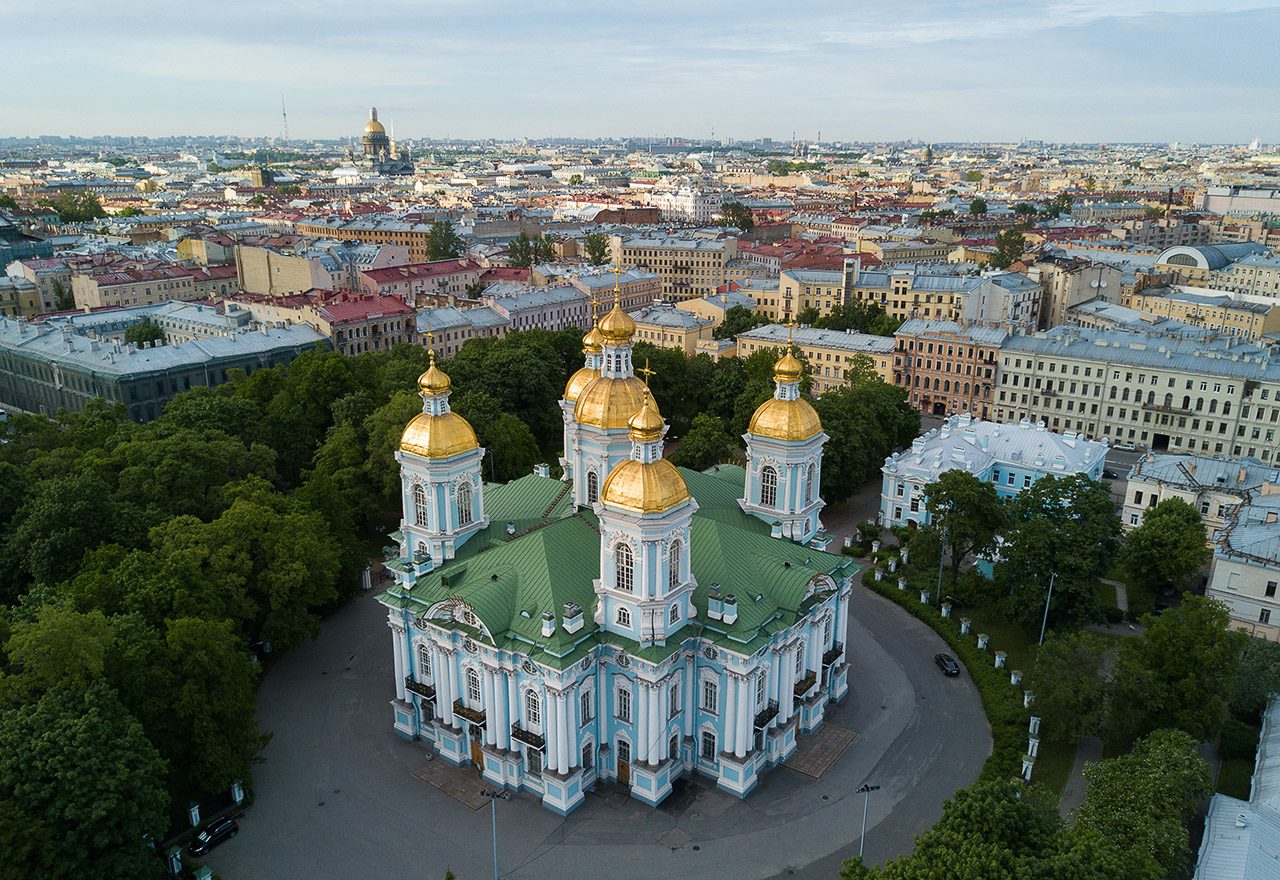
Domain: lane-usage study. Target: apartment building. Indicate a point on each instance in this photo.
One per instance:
(690, 266)
(688, 204)
(1211, 396)
(435, 284)
(554, 307)
(1216, 311)
(49, 275)
(714, 307)
(132, 287)
(666, 326)
(1163, 232)
(1213, 486)
(354, 322)
(1245, 572)
(413, 236)
(947, 367)
(828, 353)
(317, 266)
(447, 329)
(18, 297)
(1257, 274)
(1199, 265)
(1067, 281)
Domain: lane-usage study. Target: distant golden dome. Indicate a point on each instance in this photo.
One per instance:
(647, 424)
(578, 381)
(617, 326)
(609, 403)
(434, 380)
(788, 368)
(373, 126)
(439, 436)
(644, 488)
(785, 420)
(593, 342)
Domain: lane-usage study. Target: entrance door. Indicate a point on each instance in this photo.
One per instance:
(624, 762)
(477, 757)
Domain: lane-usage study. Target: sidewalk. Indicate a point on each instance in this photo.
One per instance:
(1088, 749)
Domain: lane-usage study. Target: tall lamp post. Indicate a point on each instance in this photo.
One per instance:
(865, 790)
(942, 552)
(1047, 599)
(494, 797)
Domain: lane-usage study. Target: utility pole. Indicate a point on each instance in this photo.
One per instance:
(1047, 600)
(494, 796)
(865, 790)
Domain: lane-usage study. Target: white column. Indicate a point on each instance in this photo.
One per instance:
(786, 695)
(642, 722)
(397, 653)
(771, 687)
(562, 728)
(690, 694)
(574, 699)
(842, 623)
(730, 725)
(513, 703)
(657, 737)
(744, 719)
(490, 707)
(502, 697)
(444, 685)
(550, 737)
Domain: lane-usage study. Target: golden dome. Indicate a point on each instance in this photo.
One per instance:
(434, 380)
(439, 436)
(645, 488)
(647, 424)
(617, 326)
(593, 342)
(373, 126)
(579, 381)
(785, 420)
(609, 403)
(788, 368)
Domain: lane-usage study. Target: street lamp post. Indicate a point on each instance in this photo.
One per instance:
(1047, 600)
(494, 797)
(942, 552)
(865, 790)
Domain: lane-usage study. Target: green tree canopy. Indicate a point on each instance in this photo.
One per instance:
(968, 512)
(704, 444)
(1069, 681)
(1168, 547)
(978, 207)
(597, 248)
(738, 319)
(443, 241)
(76, 206)
(737, 215)
(1010, 245)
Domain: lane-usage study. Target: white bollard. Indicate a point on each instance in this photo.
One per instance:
(875, 546)
(1028, 763)
(1000, 655)
(946, 609)
(1034, 727)
(1027, 698)
(965, 623)
(904, 555)
(983, 638)
(1015, 677)
(879, 575)
(902, 584)
(924, 597)
(1033, 747)
(893, 565)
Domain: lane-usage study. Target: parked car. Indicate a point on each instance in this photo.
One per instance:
(212, 836)
(947, 664)
(1109, 474)
(1126, 447)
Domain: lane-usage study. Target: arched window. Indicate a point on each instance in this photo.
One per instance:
(673, 565)
(419, 505)
(464, 504)
(624, 568)
(675, 613)
(593, 487)
(768, 487)
(624, 616)
(808, 482)
(532, 708)
(424, 661)
(473, 687)
(708, 745)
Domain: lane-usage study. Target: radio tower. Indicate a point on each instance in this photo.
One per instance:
(284, 117)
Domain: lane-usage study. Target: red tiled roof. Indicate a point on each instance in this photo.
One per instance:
(392, 274)
(363, 308)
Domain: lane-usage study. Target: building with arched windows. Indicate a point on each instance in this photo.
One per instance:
(634, 621)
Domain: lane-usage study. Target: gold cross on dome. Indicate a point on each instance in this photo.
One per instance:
(646, 372)
(431, 341)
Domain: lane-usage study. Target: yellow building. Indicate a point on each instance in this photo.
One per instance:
(891, 253)
(690, 266)
(801, 289)
(1213, 310)
(666, 326)
(829, 353)
(714, 307)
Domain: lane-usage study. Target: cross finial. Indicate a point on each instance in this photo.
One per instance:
(595, 303)
(617, 285)
(646, 372)
(431, 350)
(791, 326)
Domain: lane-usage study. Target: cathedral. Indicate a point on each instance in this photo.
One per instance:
(378, 151)
(633, 621)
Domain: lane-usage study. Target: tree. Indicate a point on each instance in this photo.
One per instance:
(706, 443)
(866, 421)
(79, 766)
(1147, 797)
(1257, 678)
(63, 297)
(738, 319)
(807, 316)
(543, 250)
(1168, 547)
(443, 241)
(597, 248)
(737, 215)
(1010, 245)
(1024, 209)
(60, 646)
(1069, 682)
(144, 331)
(1065, 527)
(524, 252)
(130, 211)
(968, 512)
(7, 203)
(511, 450)
(575, 179)
(978, 207)
(973, 176)
(76, 207)
(1176, 673)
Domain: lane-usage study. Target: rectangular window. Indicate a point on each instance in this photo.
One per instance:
(624, 704)
(1271, 589)
(673, 699)
(1264, 616)
(800, 661)
(708, 745)
(587, 706)
(710, 696)
(533, 761)
(1009, 480)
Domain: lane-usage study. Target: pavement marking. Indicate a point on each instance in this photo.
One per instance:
(460, 783)
(816, 752)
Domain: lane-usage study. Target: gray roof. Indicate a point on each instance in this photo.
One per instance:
(666, 315)
(861, 343)
(1125, 318)
(518, 297)
(815, 276)
(450, 318)
(982, 334)
(1253, 535)
(1194, 472)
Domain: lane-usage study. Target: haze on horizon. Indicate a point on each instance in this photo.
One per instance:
(971, 70)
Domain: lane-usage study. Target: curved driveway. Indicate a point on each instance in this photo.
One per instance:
(335, 798)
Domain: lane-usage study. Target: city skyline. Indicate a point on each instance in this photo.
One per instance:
(1076, 71)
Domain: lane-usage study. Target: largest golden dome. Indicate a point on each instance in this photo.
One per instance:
(644, 488)
(785, 420)
(617, 326)
(578, 381)
(441, 436)
(609, 403)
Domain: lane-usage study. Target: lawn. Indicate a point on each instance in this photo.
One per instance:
(1053, 765)
(1233, 777)
(1005, 635)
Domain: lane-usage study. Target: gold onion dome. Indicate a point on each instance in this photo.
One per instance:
(785, 420)
(647, 424)
(593, 342)
(441, 436)
(617, 326)
(788, 368)
(609, 403)
(579, 381)
(434, 381)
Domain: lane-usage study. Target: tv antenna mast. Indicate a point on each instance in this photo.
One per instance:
(284, 117)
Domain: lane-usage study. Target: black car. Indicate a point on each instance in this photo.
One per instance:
(212, 836)
(947, 664)
(1109, 474)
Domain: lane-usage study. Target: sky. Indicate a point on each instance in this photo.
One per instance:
(964, 70)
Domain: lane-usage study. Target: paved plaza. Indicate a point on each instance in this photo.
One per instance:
(337, 796)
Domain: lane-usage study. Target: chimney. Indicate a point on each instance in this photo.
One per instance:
(715, 603)
(572, 619)
(542, 470)
(730, 609)
(548, 624)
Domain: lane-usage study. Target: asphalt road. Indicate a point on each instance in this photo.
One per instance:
(335, 798)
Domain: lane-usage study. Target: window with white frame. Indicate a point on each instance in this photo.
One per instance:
(768, 487)
(624, 568)
(424, 661)
(800, 660)
(673, 563)
(532, 708)
(624, 704)
(419, 505)
(593, 487)
(760, 689)
(675, 613)
(710, 695)
(474, 695)
(624, 616)
(673, 699)
(709, 745)
(532, 761)
(464, 504)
